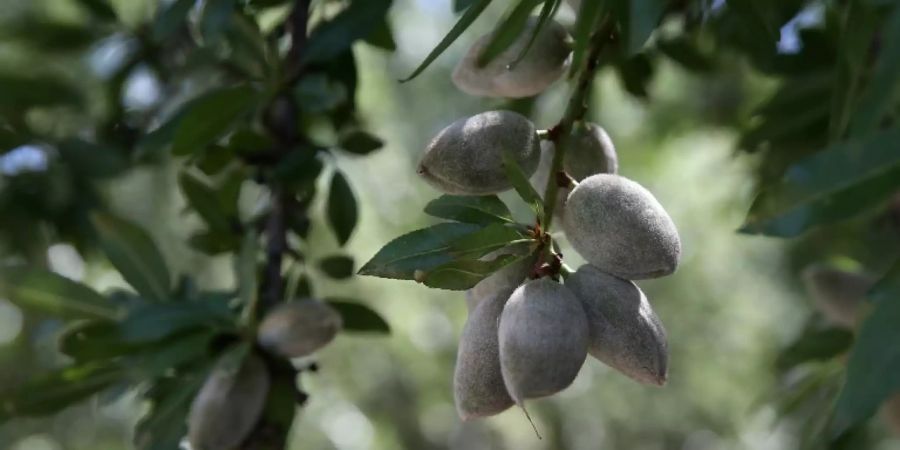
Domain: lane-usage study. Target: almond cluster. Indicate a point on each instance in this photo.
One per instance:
(233, 396)
(527, 336)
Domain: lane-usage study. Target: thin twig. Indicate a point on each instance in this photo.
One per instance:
(575, 111)
(297, 23)
(295, 68)
(276, 233)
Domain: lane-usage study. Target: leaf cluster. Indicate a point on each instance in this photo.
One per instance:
(249, 124)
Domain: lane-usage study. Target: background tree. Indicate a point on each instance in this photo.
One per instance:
(253, 106)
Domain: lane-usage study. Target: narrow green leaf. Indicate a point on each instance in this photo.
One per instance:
(156, 321)
(360, 142)
(100, 9)
(468, 17)
(858, 24)
(834, 184)
(756, 18)
(337, 266)
(163, 427)
(587, 18)
(685, 51)
(783, 124)
(522, 186)
(93, 160)
(791, 112)
(234, 357)
(203, 199)
(507, 31)
(283, 397)
(644, 16)
(214, 160)
(170, 19)
(41, 33)
(21, 91)
(342, 209)
(52, 392)
(299, 170)
(263, 4)
(93, 340)
(249, 48)
(635, 74)
(298, 221)
(299, 285)
(158, 359)
(459, 5)
(210, 116)
(10, 139)
(333, 37)
(811, 385)
(884, 86)
(248, 141)
(815, 345)
(545, 16)
(875, 359)
(492, 237)
(228, 191)
(482, 210)
(358, 317)
(214, 242)
(215, 18)
(317, 93)
(134, 255)
(49, 293)
(464, 274)
(382, 37)
(420, 250)
(154, 144)
(798, 92)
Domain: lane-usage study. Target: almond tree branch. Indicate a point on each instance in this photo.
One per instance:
(283, 126)
(575, 111)
(281, 121)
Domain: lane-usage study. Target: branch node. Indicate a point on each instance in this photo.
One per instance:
(575, 111)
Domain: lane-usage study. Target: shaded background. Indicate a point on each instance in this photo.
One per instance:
(734, 302)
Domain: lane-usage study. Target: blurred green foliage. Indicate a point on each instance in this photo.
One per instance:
(139, 141)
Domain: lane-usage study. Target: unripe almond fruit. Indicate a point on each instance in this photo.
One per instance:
(477, 381)
(619, 227)
(466, 157)
(625, 332)
(299, 328)
(890, 412)
(590, 151)
(544, 63)
(839, 294)
(472, 301)
(478, 388)
(543, 340)
(228, 405)
(502, 282)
